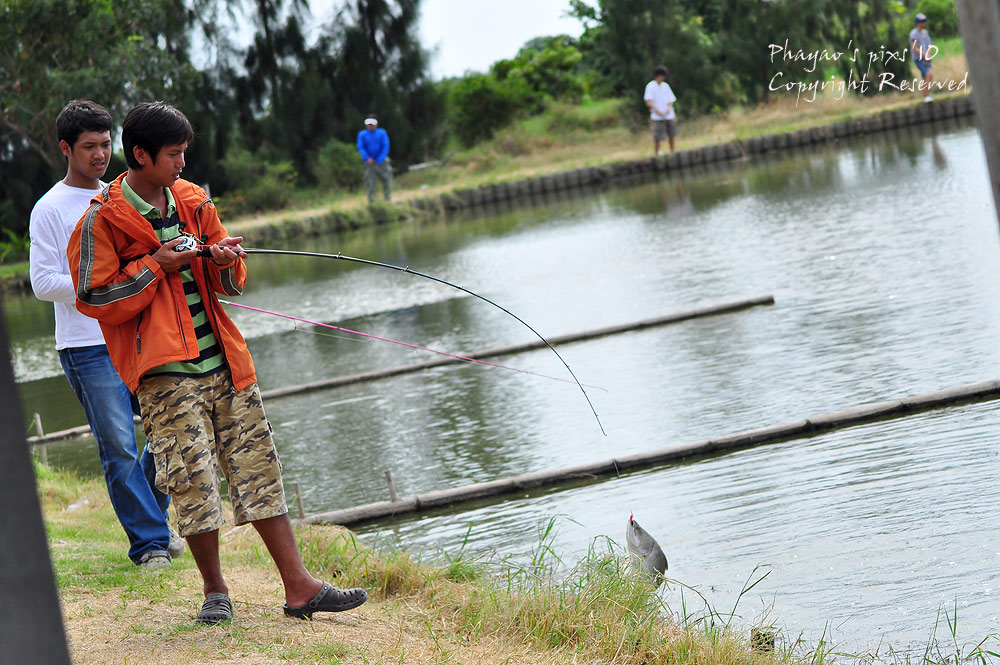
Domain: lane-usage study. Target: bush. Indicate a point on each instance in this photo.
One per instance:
(338, 166)
(255, 185)
(546, 68)
(15, 248)
(942, 18)
(479, 106)
(564, 118)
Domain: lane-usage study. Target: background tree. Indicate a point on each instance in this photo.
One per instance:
(51, 51)
(625, 39)
(382, 68)
(295, 97)
(717, 50)
(743, 30)
(111, 52)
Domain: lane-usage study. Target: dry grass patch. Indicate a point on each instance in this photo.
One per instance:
(463, 612)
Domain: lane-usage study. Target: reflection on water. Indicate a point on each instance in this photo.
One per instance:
(884, 261)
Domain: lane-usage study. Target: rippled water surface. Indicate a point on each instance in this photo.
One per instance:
(884, 261)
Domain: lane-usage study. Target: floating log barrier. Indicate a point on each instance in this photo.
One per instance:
(66, 434)
(858, 415)
(322, 384)
(711, 310)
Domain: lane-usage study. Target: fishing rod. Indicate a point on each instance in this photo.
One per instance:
(456, 356)
(406, 269)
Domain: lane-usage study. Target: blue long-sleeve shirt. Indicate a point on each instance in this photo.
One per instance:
(373, 144)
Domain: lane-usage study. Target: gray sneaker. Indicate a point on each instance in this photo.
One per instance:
(154, 559)
(176, 546)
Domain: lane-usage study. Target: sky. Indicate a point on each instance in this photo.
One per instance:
(473, 34)
(467, 35)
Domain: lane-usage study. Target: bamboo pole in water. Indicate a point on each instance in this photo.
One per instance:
(322, 384)
(865, 413)
(711, 310)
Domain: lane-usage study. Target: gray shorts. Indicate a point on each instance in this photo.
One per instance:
(664, 128)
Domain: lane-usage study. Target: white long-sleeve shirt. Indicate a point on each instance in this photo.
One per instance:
(52, 221)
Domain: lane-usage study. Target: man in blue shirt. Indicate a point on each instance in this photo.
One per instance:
(373, 146)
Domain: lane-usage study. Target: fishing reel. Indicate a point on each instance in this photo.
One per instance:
(189, 242)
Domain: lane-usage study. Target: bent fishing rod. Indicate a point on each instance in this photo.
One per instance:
(454, 356)
(406, 269)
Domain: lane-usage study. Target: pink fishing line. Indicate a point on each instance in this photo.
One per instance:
(393, 341)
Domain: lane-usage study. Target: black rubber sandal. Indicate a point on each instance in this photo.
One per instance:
(216, 609)
(329, 599)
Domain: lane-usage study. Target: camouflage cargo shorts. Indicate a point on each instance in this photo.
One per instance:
(198, 426)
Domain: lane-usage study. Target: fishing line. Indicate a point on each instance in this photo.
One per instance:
(340, 257)
(344, 338)
(367, 339)
(393, 341)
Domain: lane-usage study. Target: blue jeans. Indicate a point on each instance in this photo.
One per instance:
(129, 474)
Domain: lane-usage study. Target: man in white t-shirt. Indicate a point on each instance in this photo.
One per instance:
(660, 100)
(84, 132)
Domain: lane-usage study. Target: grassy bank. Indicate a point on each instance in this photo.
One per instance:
(595, 133)
(453, 613)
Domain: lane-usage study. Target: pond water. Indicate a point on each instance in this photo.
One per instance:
(884, 261)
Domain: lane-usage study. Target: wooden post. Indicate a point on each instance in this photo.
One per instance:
(392, 486)
(43, 449)
(979, 23)
(298, 500)
(31, 624)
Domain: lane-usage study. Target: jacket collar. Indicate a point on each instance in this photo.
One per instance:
(124, 216)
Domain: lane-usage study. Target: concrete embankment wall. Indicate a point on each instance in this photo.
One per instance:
(858, 415)
(920, 113)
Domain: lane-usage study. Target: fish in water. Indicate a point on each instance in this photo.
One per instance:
(644, 552)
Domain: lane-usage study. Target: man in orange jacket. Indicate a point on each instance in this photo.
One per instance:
(172, 343)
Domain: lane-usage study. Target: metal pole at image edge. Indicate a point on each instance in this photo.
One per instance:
(31, 626)
(979, 25)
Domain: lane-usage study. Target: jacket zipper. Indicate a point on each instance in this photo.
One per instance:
(180, 317)
(210, 304)
(138, 338)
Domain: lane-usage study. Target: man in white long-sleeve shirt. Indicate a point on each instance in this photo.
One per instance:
(84, 132)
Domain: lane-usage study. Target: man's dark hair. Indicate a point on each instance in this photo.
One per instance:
(151, 126)
(79, 116)
(660, 70)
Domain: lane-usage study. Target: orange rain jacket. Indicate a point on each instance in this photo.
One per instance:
(142, 310)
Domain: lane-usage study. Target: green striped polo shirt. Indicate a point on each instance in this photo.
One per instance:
(210, 358)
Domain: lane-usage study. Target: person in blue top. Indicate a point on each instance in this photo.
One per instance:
(373, 146)
(921, 51)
